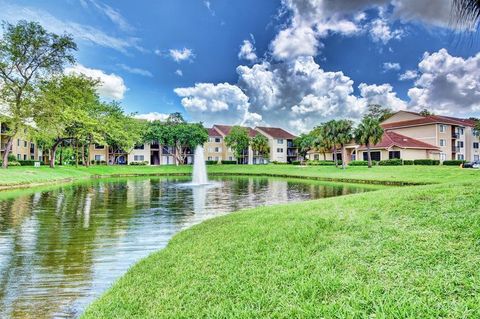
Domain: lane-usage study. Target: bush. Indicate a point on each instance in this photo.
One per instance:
(296, 162)
(453, 162)
(229, 162)
(28, 163)
(139, 163)
(426, 162)
(279, 163)
(320, 163)
(12, 158)
(391, 162)
(94, 162)
(211, 162)
(361, 163)
(407, 162)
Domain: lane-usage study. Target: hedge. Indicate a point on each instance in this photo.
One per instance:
(209, 162)
(296, 162)
(391, 162)
(94, 162)
(317, 163)
(426, 162)
(11, 163)
(407, 162)
(138, 163)
(361, 163)
(229, 162)
(453, 162)
(27, 162)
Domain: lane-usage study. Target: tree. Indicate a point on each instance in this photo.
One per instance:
(344, 136)
(378, 112)
(177, 133)
(425, 112)
(238, 141)
(28, 54)
(322, 142)
(330, 137)
(66, 108)
(259, 144)
(304, 143)
(368, 133)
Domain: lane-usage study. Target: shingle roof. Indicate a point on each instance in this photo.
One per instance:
(276, 132)
(213, 132)
(390, 139)
(430, 119)
(225, 130)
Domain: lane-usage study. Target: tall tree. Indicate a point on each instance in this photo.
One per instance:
(28, 54)
(425, 112)
(344, 136)
(331, 137)
(322, 142)
(304, 143)
(238, 141)
(259, 144)
(368, 133)
(378, 112)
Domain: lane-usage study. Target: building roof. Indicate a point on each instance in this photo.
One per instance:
(225, 129)
(213, 132)
(276, 132)
(430, 119)
(390, 139)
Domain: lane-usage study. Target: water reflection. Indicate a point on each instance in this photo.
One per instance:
(60, 249)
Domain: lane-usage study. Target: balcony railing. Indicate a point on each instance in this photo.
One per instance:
(455, 135)
(455, 149)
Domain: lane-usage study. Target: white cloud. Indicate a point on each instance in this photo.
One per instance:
(112, 14)
(181, 55)
(436, 13)
(391, 66)
(247, 51)
(152, 116)
(111, 85)
(208, 5)
(381, 94)
(179, 72)
(380, 31)
(447, 84)
(135, 70)
(13, 13)
(294, 42)
(408, 75)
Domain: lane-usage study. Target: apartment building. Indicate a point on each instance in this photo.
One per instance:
(282, 148)
(23, 147)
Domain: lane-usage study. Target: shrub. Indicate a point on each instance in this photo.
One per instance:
(94, 162)
(361, 163)
(28, 162)
(319, 163)
(407, 162)
(12, 158)
(453, 162)
(391, 162)
(211, 162)
(139, 163)
(229, 162)
(426, 162)
(296, 162)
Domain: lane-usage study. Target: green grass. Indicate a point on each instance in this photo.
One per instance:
(410, 252)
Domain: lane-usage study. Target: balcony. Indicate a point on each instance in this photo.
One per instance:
(456, 149)
(455, 135)
(292, 153)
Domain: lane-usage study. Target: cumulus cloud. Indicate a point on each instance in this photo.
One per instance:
(391, 66)
(247, 51)
(381, 94)
(111, 85)
(137, 71)
(380, 31)
(447, 84)
(152, 116)
(408, 75)
(184, 54)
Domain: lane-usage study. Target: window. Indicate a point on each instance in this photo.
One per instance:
(18, 142)
(139, 147)
(460, 157)
(209, 158)
(394, 155)
(32, 157)
(460, 144)
(475, 144)
(138, 158)
(476, 157)
(460, 131)
(443, 128)
(280, 141)
(216, 158)
(476, 132)
(99, 147)
(443, 156)
(218, 149)
(279, 150)
(24, 143)
(24, 157)
(19, 157)
(40, 158)
(375, 156)
(218, 139)
(443, 142)
(230, 158)
(316, 157)
(98, 158)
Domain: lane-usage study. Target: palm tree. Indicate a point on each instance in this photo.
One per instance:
(259, 143)
(368, 133)
(344, 136)
(467, 12)
(330, 137)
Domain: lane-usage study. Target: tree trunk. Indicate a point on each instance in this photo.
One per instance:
(6, 152)
(369, 156)
(76, 152)
(343, 156)
(84, 159)
(324, 156)
(60, 162)
(335, 156)
(53, 153)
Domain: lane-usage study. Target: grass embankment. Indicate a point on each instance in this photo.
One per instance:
(410, 252)
(29, 176)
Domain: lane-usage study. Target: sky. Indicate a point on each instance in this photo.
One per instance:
(290, 63)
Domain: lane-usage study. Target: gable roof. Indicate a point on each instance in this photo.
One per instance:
(213, 132)
(225, 129)
(390, 139)
(276, 132)
(429, 119)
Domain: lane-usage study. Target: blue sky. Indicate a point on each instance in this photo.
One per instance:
(303, 61)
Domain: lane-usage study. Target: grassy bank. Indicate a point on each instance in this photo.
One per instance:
(29, 176)
(410, 252)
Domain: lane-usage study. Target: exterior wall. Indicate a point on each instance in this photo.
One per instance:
(425, 133)
(402, 116)
(100, 153)
(146, 152)
(405, 154)
(471, 136)
(280, 157)
(215, 151)
(23, 147)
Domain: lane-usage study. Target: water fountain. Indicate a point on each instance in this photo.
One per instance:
(199, 168)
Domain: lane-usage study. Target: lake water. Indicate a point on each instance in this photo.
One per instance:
(60, 248)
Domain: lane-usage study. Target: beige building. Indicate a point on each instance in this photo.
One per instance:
(23, 147)
(282, 149)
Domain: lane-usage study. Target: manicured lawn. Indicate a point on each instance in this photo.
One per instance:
(402, 252)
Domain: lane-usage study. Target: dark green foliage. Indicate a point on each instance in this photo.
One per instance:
(138, 163)
(361, 163)
(296, 162)
(453, 162)
(426, 162)
(320, 163)
(229, 162)
(94, 162)
(211, 162)
(407, 162)
(391, 162)
(27, 162)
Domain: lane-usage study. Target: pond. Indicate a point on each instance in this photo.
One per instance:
(60, 248)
